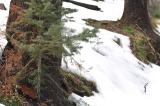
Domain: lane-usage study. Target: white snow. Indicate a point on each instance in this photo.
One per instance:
(3, 20)
(122, 79)
(158, 28)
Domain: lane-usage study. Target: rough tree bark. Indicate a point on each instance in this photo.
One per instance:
(136, 12)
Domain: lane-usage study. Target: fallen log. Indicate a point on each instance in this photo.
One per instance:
(88, 6)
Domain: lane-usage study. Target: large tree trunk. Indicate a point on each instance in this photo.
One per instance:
(136, 13)
(14, 61)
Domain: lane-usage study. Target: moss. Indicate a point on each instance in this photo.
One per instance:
(9, 101)
(79, 84)
(142, 47)
(156, 13)
(128, 30)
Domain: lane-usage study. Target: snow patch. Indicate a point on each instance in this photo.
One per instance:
(3, 21)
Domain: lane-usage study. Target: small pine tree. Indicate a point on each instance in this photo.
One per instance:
(45, 41)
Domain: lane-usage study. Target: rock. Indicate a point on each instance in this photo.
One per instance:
(2, 7)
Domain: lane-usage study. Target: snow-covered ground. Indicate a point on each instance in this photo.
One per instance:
(122, 79)
(3, 21)
(158, 28)
(157, 21)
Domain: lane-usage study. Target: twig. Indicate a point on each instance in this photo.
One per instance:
(145, 87)
(56, 84)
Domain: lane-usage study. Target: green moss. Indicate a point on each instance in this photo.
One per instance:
(128, 30)
(142, 47)
(156, 13)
